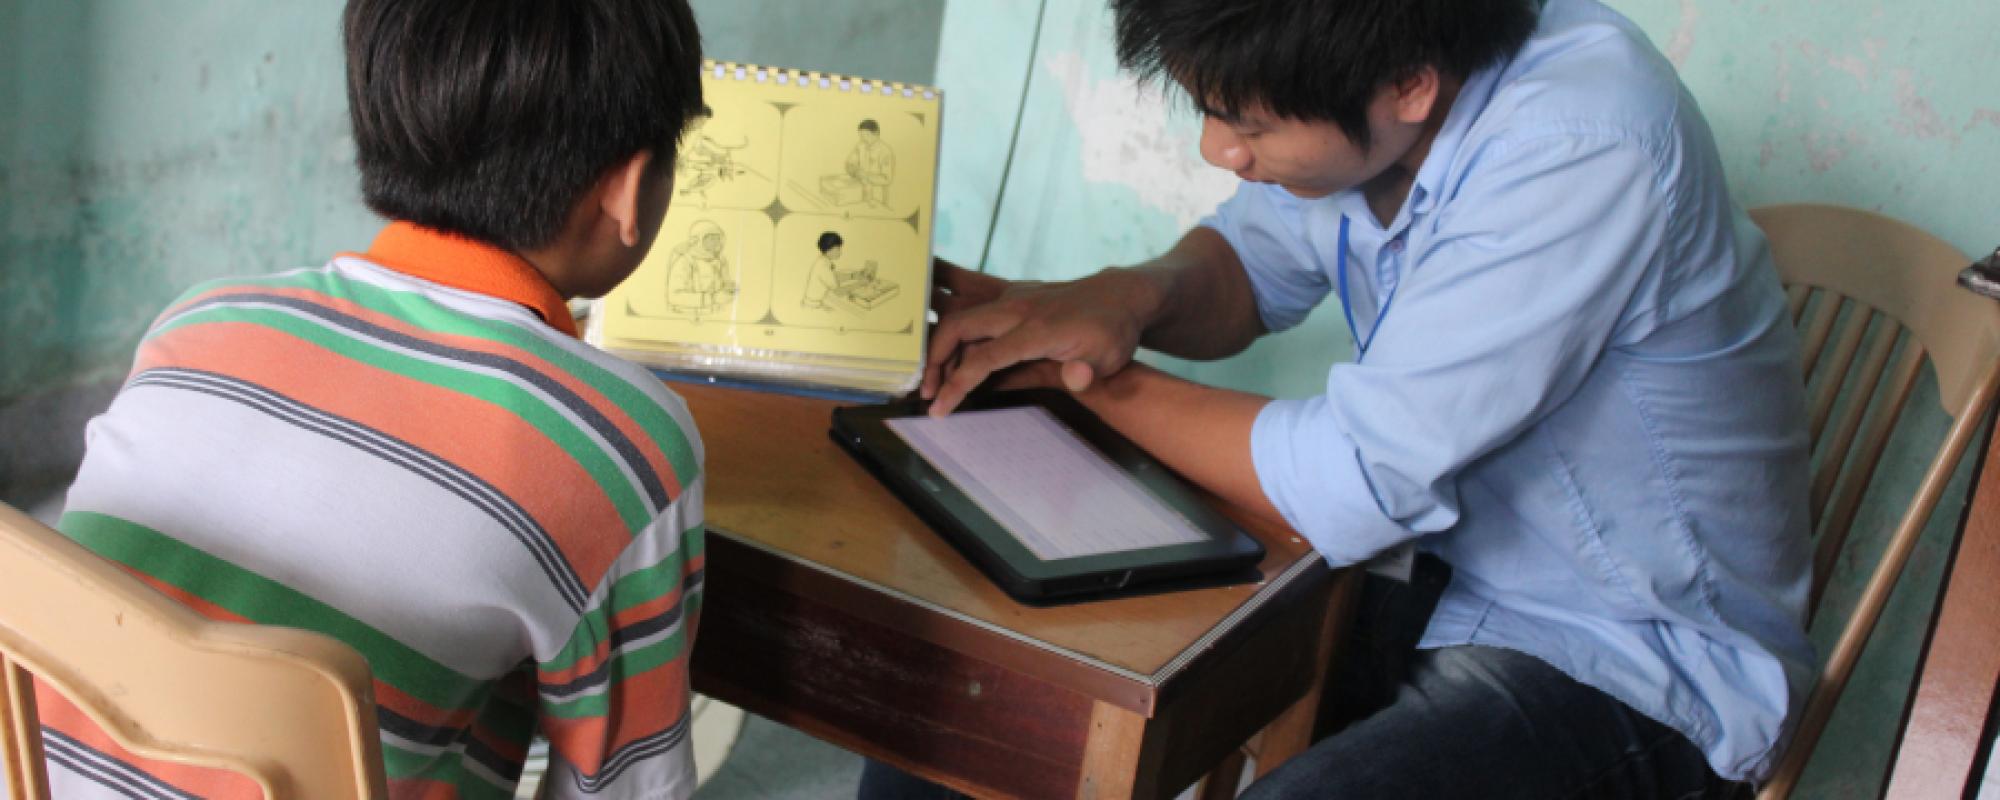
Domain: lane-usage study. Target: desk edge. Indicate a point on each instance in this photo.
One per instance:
(1150, 684)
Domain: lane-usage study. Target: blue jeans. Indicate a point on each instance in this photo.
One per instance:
(1487, 722)
(1470, 722)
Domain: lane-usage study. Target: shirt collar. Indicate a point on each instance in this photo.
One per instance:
(1465, 110)
(1429, 183)
(461, 263)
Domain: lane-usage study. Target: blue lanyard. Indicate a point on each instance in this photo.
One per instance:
(1360, 344)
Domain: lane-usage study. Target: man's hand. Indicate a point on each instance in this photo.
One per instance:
(956, 289)
(1091, 326)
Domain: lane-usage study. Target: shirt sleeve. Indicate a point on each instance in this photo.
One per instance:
(1503, 311)
(614, 702)
(1266, 227)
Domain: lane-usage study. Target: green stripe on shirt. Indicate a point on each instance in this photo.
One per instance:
(623, 667)
(603, 468)
(634, 588)
(422, 312)
(267, 602)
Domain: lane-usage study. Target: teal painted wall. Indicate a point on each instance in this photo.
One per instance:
(150, 146)
(147, 146)
(1057, 166)
(1870, 103)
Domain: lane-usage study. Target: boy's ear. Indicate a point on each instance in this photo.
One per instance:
(619, 196)
(1415, 94)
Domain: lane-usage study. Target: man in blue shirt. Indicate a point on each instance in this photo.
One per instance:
(1575, 381)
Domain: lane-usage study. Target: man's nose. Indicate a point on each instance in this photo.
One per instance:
(1222, 147)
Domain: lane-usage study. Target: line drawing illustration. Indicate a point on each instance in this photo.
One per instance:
(698, 274)
(870, 168)
(856, 289)
(704, 161)
(819, 204)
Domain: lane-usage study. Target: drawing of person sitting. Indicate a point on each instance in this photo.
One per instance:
(827, 280)
(697, 272)
(870, 166)
(826, 276)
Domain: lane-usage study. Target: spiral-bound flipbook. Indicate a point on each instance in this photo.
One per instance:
(797, 246)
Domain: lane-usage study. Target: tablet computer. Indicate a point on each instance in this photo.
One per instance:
(1046, 499)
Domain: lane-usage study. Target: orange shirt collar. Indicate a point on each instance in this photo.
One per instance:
(462, 263)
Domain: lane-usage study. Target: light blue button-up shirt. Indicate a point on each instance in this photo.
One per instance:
(1585, 395)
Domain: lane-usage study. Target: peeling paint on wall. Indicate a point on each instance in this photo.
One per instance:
(1919, 118)
(1847, 101)
(1681, 43)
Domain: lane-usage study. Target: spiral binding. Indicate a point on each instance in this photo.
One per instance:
(727, 70)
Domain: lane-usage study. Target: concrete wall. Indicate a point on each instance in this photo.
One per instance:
(146, 146)
(1881, 105)
(149, 146)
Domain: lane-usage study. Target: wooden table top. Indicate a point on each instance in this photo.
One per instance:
(776, 481)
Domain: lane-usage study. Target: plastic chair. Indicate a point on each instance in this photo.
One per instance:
(1863, 289)
(292, 710)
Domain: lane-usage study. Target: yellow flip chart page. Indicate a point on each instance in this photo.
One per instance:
(797, 244)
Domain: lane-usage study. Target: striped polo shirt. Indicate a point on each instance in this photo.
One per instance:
(410, 451)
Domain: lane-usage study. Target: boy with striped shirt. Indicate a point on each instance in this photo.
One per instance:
(409, 450)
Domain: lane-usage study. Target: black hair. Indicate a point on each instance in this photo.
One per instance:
(492, 118)
(828, 241)
(1312, 60)
(869, 125)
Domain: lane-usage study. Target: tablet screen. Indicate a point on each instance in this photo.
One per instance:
(1048, 488)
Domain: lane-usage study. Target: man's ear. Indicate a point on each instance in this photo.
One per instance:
(619, 195)
(1415, 94)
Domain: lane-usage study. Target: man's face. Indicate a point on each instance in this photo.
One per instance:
(833, 253)
(869, 137)
(1308, 159)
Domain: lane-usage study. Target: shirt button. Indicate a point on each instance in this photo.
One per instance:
(1396, 246)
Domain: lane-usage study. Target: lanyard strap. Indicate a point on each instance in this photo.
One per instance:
(1360, 344)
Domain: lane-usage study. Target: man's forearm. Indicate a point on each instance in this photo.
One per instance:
(1199, 431)
(1198, 299)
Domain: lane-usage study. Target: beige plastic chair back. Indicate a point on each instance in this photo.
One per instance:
(290, 709)
(1872, 297)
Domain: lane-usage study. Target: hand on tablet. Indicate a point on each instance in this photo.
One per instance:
(1091, 326)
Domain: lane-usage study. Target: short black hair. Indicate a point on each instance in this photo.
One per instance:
(491, 118)
(869, 125)
(1312, 60)
(828, 241)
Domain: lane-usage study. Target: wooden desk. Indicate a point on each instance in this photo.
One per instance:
(1961, 664)
(831, 608)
